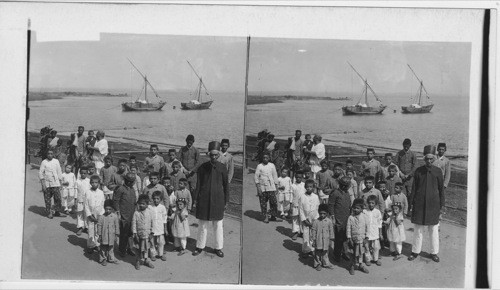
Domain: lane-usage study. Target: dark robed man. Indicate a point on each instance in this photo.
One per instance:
(427, 202)
(210, 198)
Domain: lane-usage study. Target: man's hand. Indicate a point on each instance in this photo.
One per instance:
(259, 190)
(44, 187)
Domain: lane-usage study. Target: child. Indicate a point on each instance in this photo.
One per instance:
(349, 165)
(325, 183)
(145, 181)
(184, 193)
(386, 214)
(170, 211)
(353, 189)
(338, 171)
(138, 182)
(108, 231)
(142, 230)
(106, 172)
(284, 193)
(308, 212)
(388, 163)
(399, 197)
(176, 174)
(159, 213)
(154, 159)
(308, 144)
(90, 142)
(443, 163)
(396, 231)
(68, 187)
(180, 226)
(392, 178)
(322, 236)
(356, 233)
(82, 185)
(94, 207)
(372, 164)
(154, 178)
(132, 161)
(374, 232)
(370, 190)
(91, 168)
(298, 189)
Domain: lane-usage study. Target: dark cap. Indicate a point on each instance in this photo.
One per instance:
(430, 149)
(407, 142)
(224, 141)
(214, 145)
(172, 150)
(323, 207)
(130, 177)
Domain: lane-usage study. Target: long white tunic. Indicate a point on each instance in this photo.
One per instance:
(50, 172)
(94, 203)
(98, 155)
(159, 214)
(266, 177)
(308, 207)
(374, 222)
(315, 160)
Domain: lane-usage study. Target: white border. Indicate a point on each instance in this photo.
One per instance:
(57, 21)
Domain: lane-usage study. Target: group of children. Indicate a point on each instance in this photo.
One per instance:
(332, 205)
(161, 215)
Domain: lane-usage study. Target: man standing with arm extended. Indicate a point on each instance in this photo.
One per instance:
(428, 204)
(210, 199)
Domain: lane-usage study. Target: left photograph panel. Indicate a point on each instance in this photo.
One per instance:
(134, 159)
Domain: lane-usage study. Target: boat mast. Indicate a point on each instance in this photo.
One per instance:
(146, 88)
(366, 92)
(201, 81)
(422, 88)
(199, 90)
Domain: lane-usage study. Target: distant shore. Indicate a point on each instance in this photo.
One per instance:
(42, 96)
(258, 100)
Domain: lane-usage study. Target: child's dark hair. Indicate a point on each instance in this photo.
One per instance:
(277, 146)
(337, 165)
(84, 168)
(154, 173)
(158, 194)
(143, 198)
(107, 157)
(153, 146)
(183, 180)
(392, 167)
(308, 135)
(369, 178)
(323, 208)
(95, 177)
(381, 182)
(91, 165)
(176, 163)
(299, 172)
(323, 162)
(133, 166)
(358, 202)
(109, 203)
(370, 150)
(123, 161)
(349, 170)
(348, 161)
(398, 184)
(388, 154)
(165, 178)
(182, 200)
(372, 198)
(309, 182)
(132, 157)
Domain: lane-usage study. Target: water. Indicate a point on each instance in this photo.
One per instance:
(223, 120)
(448, 122)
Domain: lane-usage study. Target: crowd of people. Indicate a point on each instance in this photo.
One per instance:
(114, 205)
(351, 213)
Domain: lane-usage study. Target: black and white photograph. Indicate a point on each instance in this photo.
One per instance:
(134, 165)
(357, 163)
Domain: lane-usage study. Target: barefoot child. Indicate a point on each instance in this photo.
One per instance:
(284, 193)
(82, 185)
(396, 231)
(374, 233)
(108, 231)
(142, 230)
(94, 207)
(159, 213)
(298, 189)
(308, 212)
(68, 187)
(322, 236)
(356, 234)
(180, 226)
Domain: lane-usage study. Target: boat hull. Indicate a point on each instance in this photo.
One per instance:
(360, 110)
(414, 110)
(200, 106)
(138, 106)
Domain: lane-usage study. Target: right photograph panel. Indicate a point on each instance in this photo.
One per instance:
(356, 163)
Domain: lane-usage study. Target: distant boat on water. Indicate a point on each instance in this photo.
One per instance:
(418, 106)
(143, 104)
(364, 108)
(197, 104)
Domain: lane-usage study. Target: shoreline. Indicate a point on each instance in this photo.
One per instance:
(260, 100)
(43, 96)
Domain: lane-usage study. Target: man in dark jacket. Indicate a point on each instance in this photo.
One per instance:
(427, 202)
(210, 198)
(124, 200)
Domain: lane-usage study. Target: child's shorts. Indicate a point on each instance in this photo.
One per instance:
(280, 196)
(67, 192)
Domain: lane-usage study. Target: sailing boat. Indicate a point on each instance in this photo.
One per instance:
(417, 107)
(360, 108)
(197, 104)
(143, 104)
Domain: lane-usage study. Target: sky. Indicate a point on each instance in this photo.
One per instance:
(103, 65)
(319, 66)
(305, 66)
